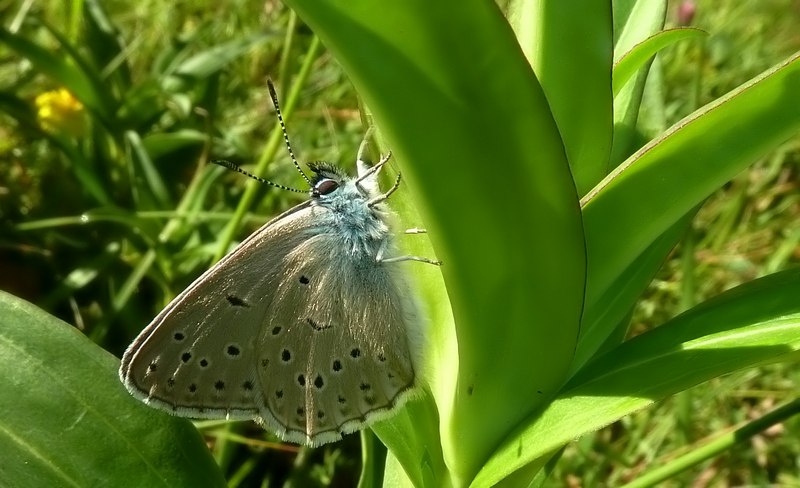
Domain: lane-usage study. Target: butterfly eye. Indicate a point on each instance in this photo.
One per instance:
(325, 187)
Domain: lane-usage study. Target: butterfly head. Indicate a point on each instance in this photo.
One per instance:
(333, 188)
(327, 179)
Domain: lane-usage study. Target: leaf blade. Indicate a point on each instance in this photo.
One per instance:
(61, 382)
(753, 324)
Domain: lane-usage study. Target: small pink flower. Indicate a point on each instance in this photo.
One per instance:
(686, 11)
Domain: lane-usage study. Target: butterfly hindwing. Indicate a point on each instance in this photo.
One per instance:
(336, 353)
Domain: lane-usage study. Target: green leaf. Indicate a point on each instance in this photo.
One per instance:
(474, 135)
(106, 44)
(753, 324)
(373, 460)
(209, 62)
(637, 57)
(659, 184)
(68, 421)
(394, 475)
(81, 276)
(161, 144)
(422, 462)
(581, 104)
(633, 23)
(149, 189)
(605, 317)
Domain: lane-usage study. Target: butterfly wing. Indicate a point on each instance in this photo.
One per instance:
(336, 346)
(287, 329)
(196, 358)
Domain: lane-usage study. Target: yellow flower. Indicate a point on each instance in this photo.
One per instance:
(59, 111)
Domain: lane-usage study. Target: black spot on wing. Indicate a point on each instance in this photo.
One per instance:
(236, 301)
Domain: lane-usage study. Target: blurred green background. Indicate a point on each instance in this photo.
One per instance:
(97, 244)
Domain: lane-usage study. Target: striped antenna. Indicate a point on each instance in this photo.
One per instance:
(235, 167)
(274, 96)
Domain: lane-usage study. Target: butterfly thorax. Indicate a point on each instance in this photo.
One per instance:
(362, 228)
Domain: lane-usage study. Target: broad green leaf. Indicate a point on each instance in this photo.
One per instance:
(605, 316)
(415, 430)
(68, 421)
(427, 467)
(394, 475)
(659, 184)
(756, 323)
(473, 134)
(638, 56)
(571, 56)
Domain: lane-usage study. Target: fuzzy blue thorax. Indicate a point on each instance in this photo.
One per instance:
(362, 228)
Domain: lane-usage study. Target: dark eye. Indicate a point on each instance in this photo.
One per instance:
(325, 186)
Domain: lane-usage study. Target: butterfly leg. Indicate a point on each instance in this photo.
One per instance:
(382, 198)
(397, 259)
(415, 230)
(374, 169)
(411, 258)
(365, 169)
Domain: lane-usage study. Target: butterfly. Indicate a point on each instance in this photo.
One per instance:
(308, 327)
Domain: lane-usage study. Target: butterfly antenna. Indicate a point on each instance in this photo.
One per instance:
(274, 96)
(235, 167)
